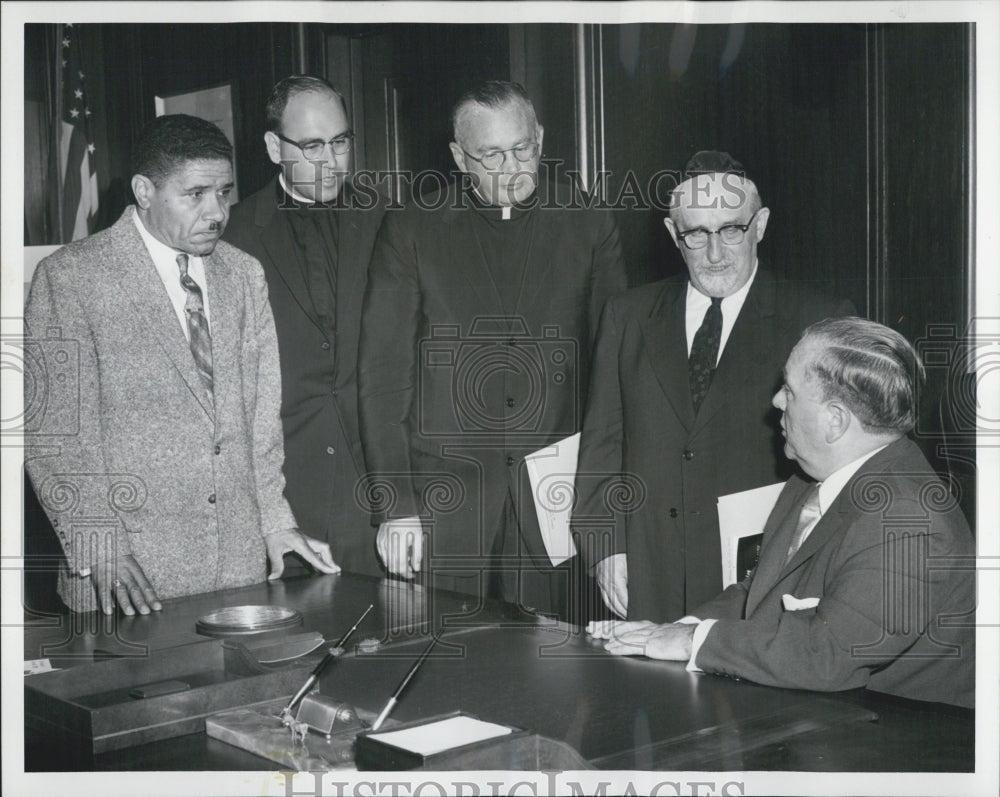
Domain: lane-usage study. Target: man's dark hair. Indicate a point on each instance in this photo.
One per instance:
(710, 161)
(491, 94)
(871, 368)
(168, 142)
(292, 86)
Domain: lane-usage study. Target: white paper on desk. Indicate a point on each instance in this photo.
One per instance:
(552, 471)
(35, 666)
(742, 515)
(444, 734)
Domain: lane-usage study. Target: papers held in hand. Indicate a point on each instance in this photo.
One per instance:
(741, 519)
(551, 471)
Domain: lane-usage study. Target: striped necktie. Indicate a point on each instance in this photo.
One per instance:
(809, 514)
(201, 338)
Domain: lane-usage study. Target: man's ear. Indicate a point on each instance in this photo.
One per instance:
(273, 144)
(760, 222)
(458, 154)
(672, 229)
(144, 190)
(838, 420)
(539, 135)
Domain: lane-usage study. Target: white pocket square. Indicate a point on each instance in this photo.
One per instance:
(793, 604)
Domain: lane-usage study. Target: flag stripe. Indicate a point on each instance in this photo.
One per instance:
(79, 175)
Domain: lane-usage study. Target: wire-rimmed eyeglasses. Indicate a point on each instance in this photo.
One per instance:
(495, 157)
(313, 150)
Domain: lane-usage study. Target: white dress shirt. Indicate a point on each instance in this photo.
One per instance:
(697, 305)
(165, 260)
(828, 492)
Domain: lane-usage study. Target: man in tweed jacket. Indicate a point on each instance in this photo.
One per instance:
(161, 473)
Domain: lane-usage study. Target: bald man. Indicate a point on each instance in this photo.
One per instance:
(680, 399)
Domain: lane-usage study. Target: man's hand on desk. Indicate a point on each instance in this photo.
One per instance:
(313, 551)
(669, 641)
(400, 544)
(612, 578)
(124, 583)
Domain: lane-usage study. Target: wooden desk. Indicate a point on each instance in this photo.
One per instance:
(619, 713)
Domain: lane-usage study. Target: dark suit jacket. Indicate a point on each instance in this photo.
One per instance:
(319, 409)
(641, 431)
(893, 565)
(453, 395)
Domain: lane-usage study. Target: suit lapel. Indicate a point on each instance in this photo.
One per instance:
(352, 266)
(778, 533)
(539, 258)
(845, 507)
(141, 284)
(285, 256)
(225, 325)
(840, 515)
(739, 362)
(466, 253)
(666, 348)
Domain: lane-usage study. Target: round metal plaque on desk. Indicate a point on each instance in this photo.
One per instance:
(236, 620)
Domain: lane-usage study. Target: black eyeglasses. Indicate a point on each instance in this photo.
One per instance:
(494, 158)
(313, 150)
(729, 234)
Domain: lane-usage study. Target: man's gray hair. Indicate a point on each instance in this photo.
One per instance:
(491, 94)
(871, 368)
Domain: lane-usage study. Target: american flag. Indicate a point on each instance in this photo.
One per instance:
(77, 170)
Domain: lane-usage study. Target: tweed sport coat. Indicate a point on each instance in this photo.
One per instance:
(127, 450)
(890, 573)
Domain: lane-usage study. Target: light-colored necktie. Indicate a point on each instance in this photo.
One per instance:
(201, 338)
(809, 514)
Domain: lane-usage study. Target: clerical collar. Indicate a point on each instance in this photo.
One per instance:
(288, 197)
(503, 213)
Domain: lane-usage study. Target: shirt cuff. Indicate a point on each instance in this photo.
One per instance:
(696, 642)
(688, 619)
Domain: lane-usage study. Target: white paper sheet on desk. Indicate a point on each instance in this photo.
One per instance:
(742, 515)
(551, 471)
(442, 735)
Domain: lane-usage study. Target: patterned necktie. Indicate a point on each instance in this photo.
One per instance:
(810, 513)
(705, 353)
(201, 339)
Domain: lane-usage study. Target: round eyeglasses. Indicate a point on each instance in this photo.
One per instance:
(313, 150)
(729, 234)
(495, 157)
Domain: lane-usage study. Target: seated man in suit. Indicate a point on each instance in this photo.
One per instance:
(866, 575)
(679, 410)
(158, 454)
